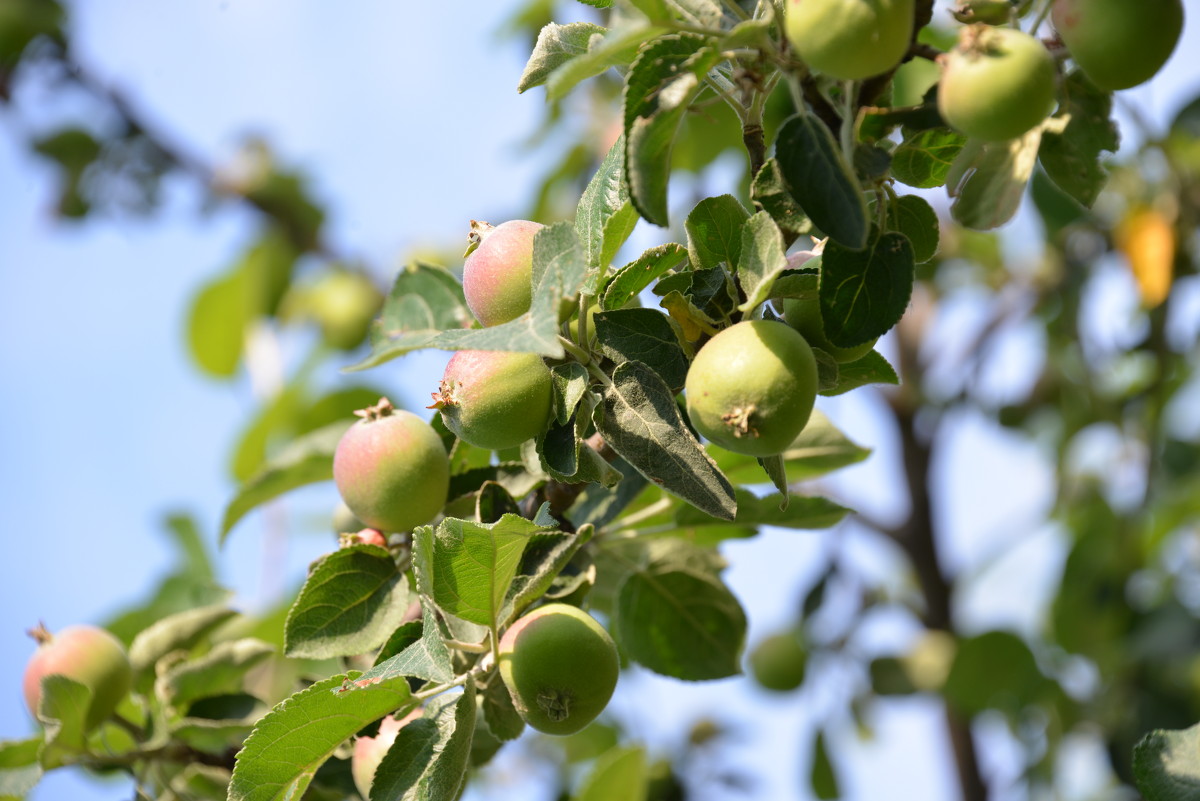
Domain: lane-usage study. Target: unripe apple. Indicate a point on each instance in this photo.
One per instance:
(1119, 43)
(996, 84)
(850, 39)
(560, 666)
(495, 399)
(86, 654)
(751, 388)
(369, 751)
(805, 316)
(391, 469)
(498, 272)
(779, 662)
(344, 303)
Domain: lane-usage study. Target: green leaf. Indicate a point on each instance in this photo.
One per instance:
(63, 712)
(800, 512)
(714, 229)
(820, 449)
(213, 736)
(306, 461)
(987, 180)
(425, 299)
(994, 670)
(923, 160)
(1166, 765)
(498, 711)
(559, 271)
(570, 384)
(641, 422)
(618, 773)
(217, 324)
(631, 279)
(1072, 158)
(661, 84)
(705, 13)
(680, 623)
(776, 469)
(762, 260)
(770, 191)
(295, 738)
(821, 181)
(644, 335)
(566, 456)
(822, 775)
(605, 218)
(870, 369)
(619, 46)
(599, 506)
(428, 761)
(466, 567)
(915, 218)
(219, 672)
(352, 600)
(863, 293)
(182, 630)
(544, 558)
(427, 658)
(556, 45)
(20, 770)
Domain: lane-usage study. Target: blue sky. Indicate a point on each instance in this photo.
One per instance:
(407, 119)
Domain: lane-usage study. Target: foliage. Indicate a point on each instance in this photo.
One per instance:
(616, 504)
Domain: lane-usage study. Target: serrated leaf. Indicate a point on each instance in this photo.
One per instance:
(680, 623)
(351, 601)
(644, 335)
(618, 773)
(307, 460)
(179, 631)
(570, 383)
(820, 180)
(631, 279)
(466, 567)
(870, 369)
(289, 744)
(641, 422)
(566, 456)
(604, 218)
(769, 190)
(1166, 765)
(405, 635)
(1072, 158)
(988, 180)
(923, 160)
(428, 761)
(556, 45)
(714, 229)
(20, 770)
(863, 293)
(219, 672)
(915, 218)
(427, 658)
(661, 84)
(541, 564)
(762, 259)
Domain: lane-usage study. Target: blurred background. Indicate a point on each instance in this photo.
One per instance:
(402, 122)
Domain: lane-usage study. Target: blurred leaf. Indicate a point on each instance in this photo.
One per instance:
(20, 770)
(619, 46)
(661, 84)
(180, 631)
(822, 775)
(994, 670)
(820, 448)
(352, 600)
(988, 179)
(640, 420)
(306, 461)
(217, 324)
(1072, 158)
(287, 746)
(819, 179)
(618, 773)
(63, 711)
(800, 512)
(219, 672)
(1166, 765)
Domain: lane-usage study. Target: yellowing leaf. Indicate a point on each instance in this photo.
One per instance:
(1147, 240)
